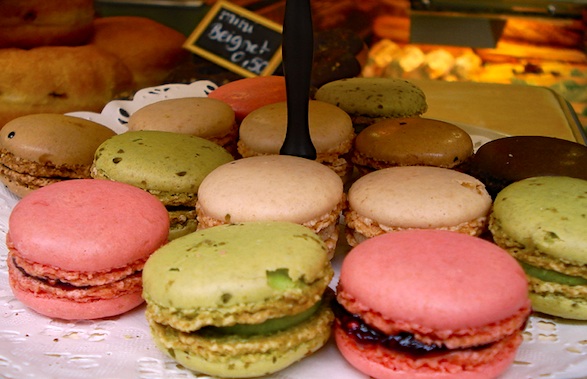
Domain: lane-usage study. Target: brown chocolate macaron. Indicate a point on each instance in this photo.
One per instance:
(40, 149)
(414, 141)
(503, 161)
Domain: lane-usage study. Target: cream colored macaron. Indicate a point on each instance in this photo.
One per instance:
(207, 118)
(331, 130)
(415, 197)
(273, 188)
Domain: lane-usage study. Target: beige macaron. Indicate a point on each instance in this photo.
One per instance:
(202, 117)
(40, 149)
(273, 188)
(412, 141)
(415, 197)
(263, 131)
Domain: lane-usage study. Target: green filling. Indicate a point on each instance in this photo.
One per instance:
(280, 280)
(552, 276)
(270, 326)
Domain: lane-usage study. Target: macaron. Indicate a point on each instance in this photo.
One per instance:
(273, 188)
(368, 100)
(203, 117)
(430, 304)
(503, 161)
(331, 131)
(412, 141)
(76, 248)
(541, 221)
(168, 165)
(39, 149)
(247, 94)
(415, 197)
(241, 300)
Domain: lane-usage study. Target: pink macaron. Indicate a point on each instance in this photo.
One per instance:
(248, 94)
(77, 248)
(430, 304)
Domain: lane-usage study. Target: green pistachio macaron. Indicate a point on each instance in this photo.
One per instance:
(542, 222)
(368, 100)
(169, 165)
(240, 300)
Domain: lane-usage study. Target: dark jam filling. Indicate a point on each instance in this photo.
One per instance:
(404, 342)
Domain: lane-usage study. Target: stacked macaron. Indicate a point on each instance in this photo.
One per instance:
(241, 300)
(541, 221)
(415, 197)
(368, 100)
(263, 131)
(273, 188)
(40, 149)
(203, 117)
(430, 304)
(168, 165)
(77, 247)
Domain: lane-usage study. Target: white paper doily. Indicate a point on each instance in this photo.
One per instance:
(36, 347)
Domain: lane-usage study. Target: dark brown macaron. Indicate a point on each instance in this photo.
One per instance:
(503, 161)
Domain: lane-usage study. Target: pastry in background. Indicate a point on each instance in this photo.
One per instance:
(503, 161)
(248, 94)
(541, 221)
(31, 23)
(413, 141)
(59, 79)
(263, 132)
(40, 149)
(240, 301)
(203, 117)
(368, 100)
(170, 166)
(148, 48)
(76, 249)
(430, 304)
(273, 188)
(415, 197)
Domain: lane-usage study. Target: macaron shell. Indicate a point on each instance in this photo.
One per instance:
(415, 141)
(50, 225)
(53, 138)
(71, 310)
(368, 362)
(235, 356)
(227, 265)
(419, 197)
(157, 160)
(375, 97)
(264, 129)
(559, 305)
(247, 94)
(435, 279)
(546, 214)
(199, 116)
(271, 187)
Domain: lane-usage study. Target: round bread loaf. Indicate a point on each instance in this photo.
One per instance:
(59, 79)
(149, 49)
(32, 23)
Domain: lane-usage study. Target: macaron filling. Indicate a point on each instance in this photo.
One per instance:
(267, 327)
(552, 276)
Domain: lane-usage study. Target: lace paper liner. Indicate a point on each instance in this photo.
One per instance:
(36, 347)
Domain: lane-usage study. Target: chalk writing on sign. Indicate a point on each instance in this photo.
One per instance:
(238, 40)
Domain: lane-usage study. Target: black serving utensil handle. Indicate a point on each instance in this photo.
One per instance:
(298, 50)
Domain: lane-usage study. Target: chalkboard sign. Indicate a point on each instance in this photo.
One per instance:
(237, 39)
